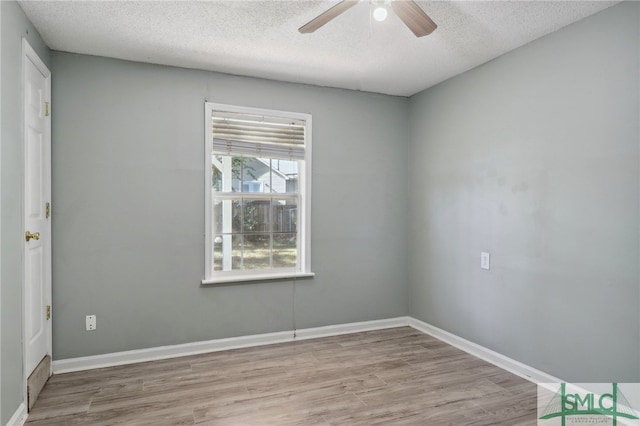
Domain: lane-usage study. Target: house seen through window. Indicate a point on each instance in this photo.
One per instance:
(258, 193)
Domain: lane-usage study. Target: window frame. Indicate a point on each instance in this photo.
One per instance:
(303, 268)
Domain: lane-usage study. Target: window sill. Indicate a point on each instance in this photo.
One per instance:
(258, 277)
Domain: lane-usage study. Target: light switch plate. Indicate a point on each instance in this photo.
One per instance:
(485, 260)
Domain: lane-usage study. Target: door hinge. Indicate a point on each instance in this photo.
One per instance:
(46, 109)
(48, 312)
(47, 210)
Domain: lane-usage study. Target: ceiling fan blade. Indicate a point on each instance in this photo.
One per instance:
(326, 16)
(414, 17)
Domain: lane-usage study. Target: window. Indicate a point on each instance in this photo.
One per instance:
(257, 196)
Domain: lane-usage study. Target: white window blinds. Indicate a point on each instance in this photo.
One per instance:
(258, 135)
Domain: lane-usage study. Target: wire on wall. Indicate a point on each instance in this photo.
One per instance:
(293, 307)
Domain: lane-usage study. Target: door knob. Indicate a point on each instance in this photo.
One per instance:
(29, 236)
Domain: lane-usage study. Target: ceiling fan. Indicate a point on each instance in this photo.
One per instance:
(407, 10)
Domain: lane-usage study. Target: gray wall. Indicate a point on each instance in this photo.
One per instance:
(534, 157)
(14, 26)
(128, 208)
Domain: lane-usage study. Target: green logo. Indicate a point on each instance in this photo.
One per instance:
(614, 405)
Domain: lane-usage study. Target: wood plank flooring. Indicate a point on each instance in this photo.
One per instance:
(397, 376)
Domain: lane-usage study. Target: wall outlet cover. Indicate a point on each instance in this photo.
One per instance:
(90, 322)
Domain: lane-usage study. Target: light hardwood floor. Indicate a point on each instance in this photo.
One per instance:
(393, 376)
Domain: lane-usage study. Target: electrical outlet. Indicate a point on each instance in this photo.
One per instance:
(91, 322)
(485, 260)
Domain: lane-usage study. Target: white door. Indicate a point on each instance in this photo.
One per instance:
(36, 209)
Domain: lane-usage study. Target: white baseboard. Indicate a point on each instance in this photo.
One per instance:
(525, 371)
(354, 327)
(19, 417)
(173, 351)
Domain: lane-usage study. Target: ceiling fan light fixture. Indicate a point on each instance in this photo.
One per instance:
(407, 10)
(380, 13)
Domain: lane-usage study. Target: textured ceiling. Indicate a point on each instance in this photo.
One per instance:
(260, 38)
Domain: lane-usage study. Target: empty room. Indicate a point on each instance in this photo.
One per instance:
(319, 212)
